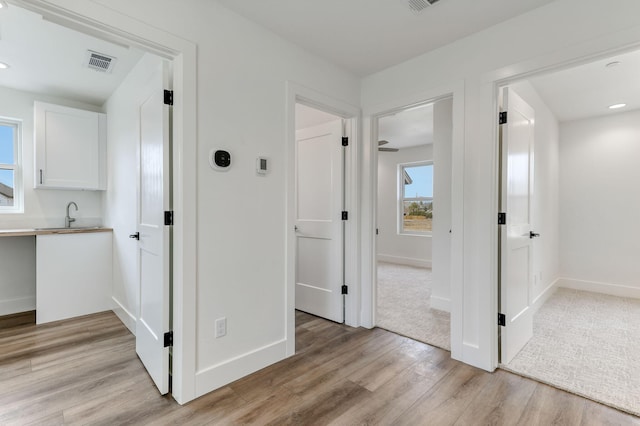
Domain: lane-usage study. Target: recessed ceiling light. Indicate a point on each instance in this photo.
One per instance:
(3, 4)
(612, 64)
(3, 66)
(616, 106)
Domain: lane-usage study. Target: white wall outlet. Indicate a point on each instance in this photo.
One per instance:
(221, 327)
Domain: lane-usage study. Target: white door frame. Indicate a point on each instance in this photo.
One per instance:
(110, 25)
(297, 93)
(370, 202)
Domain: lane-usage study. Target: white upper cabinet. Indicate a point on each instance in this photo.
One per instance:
(70, 148)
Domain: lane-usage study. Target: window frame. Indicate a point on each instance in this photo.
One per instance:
(16, 166)
(402, 198)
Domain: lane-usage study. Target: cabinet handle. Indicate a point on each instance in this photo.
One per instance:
(40, 176)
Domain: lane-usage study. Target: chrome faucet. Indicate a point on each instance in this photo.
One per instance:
(68, 219)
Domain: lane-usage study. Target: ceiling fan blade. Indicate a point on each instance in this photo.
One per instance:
(382, 142)
(388, 149)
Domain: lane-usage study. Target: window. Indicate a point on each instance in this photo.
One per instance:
(416, 198)
(10, 167)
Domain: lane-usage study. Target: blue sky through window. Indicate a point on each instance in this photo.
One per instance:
(422, 185)
(6, 153)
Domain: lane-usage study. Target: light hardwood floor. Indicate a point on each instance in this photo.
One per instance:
(85, 371)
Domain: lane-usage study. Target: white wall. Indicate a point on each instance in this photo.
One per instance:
(545, 202)
(42, 207)
(556, 33)
(403, 249)
(242, 74)
(600, 206)
(121, 197)
(441, 237)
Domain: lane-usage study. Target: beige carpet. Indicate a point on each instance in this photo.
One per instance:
(404, 298)
(588, 344)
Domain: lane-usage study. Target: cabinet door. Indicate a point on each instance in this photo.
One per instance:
(73, 275)
(70, 148)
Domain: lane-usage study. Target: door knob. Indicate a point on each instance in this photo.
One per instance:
(533, 234)
(135, 236)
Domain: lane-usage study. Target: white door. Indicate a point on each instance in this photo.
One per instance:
(153, 248)
(517, 143)
(319, 229)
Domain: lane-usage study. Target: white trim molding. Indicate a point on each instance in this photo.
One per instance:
(545, 295)
(127, 318)
(409, 261)
(441, 303)
(224, 373)
(598, 287)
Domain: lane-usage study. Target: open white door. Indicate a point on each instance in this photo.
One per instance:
(319, 229)
(516, 151)
(154, 237)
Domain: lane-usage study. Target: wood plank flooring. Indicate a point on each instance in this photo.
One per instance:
(85, 372)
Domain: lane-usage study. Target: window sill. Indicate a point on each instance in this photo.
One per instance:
(3, 212)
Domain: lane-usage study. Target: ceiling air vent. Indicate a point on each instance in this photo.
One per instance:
(418, 6)
(100, 62)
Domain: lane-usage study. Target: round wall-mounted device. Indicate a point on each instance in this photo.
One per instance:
(219, 159)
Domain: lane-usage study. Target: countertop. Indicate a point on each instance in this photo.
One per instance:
(50, 231)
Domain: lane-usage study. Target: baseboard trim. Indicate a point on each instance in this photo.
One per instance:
(14, 306)
(409, 261)
(441, 303)
(222, 374)
(545, 295)
(127, 318)
(597, 287)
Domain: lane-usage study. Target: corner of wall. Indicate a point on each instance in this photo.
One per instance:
(219, 375)
(127, 318)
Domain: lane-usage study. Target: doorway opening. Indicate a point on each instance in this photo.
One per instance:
(580, 285)
(413, 244)
(131, 94)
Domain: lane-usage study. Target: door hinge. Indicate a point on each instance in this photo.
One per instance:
(345, 215)
(502, 218)
(168, 97)
(345, 141)
(503, 117)
(168, 218)
(345, 289)
(502, 320)
(168, 339)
